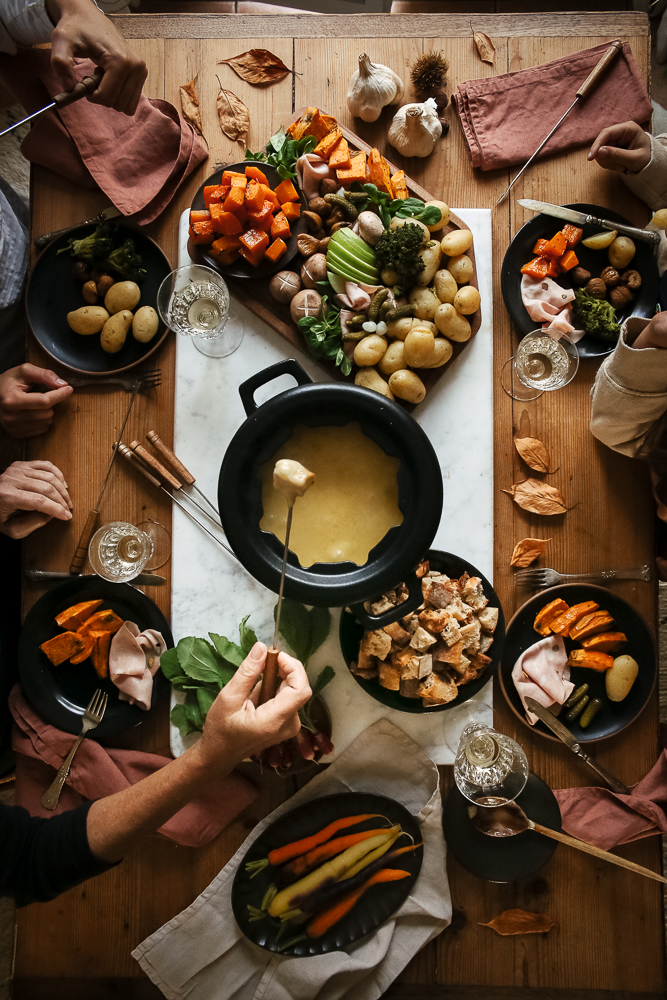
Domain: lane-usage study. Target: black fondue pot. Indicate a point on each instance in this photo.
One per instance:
(420, 494)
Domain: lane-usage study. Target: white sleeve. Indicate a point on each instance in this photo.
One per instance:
(23, 22)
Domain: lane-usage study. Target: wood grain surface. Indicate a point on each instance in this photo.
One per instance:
(608, 938)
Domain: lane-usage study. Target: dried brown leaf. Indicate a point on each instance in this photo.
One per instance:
(527, 551)
(258, 66)
(520, 922)
(537, 497)
(484, 46)
(190, 105)
(534, 453)
(233, 115)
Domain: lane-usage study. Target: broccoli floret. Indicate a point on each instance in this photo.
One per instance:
(398, 250)
(126, 261)
(596, 316)
(94, 248)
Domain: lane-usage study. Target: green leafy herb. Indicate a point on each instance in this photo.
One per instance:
(596, 316)
(324, 337)
(247, 635)
(283, 152)
(304, 630)
(398, 250)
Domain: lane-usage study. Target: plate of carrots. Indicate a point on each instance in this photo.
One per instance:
(327, 873)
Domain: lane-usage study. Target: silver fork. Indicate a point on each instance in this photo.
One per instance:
(131, 383)
(91, 720)
(539, 579)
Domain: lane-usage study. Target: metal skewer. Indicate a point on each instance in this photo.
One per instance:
(177, 466)
(88, 85)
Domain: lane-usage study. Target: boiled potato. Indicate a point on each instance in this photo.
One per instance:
(390, 277)
(621, 252)
(659, 219)
(396, 223)
(444, 215)
(369, 350)
(87, 319)
(115, 330)
(620, 678)
(425, 302)
(393, 358)
(368, 378)
(452, 324)
(461, 268)
(466, 300)
(407, 385)
(601, 240)
(400, 328)
(122, 295)
(425, 324)
(456, 242)
(144, 324)
(418, 347)
(445, 285)
(442, 352)
(431, 255)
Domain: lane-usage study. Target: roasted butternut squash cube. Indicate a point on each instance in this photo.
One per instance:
(340, 157)
(286, 192)
(379, 171)
(225, 223)
(276, 250)
(292, 210)
(280, 226)
(398, 185)
(201, 232)
(234, 200)
(253, 244)
(254, 197)
(326, 145)
(356, 172)
(256, 174)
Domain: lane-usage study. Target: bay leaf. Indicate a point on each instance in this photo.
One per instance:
(534, 453)
(485, 47)
(233, 115)
(520, 922)
(258, 66)
(190, 105)
(528, 550)
(537, 497)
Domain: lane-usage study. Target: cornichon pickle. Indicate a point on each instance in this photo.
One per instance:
(577, 708)
(346, 207)
(356, 196)
(590, 713)
(576, 695)
(399, 312)
(378, 299)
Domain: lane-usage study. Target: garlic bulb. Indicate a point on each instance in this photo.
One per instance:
(371, 88)
(415, 128)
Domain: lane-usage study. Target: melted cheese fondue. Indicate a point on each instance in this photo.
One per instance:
(350, 507)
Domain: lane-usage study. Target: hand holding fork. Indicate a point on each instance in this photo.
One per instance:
(91, 719)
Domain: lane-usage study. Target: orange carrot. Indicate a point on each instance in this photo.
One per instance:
(323, 921)
(293, 850)
(314, 858)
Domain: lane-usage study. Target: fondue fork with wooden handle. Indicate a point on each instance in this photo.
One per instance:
(178, 467)
(158, 468)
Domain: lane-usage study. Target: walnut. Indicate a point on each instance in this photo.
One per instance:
(580, 276)
(610, 276)
(632, 279)
(620, 296)
(597, 288)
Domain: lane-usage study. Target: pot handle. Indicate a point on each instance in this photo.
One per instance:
(248, 388)
(414, 599)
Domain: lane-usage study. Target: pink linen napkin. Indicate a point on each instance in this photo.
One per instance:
(97, 771)
(605, 819)
(504, 118)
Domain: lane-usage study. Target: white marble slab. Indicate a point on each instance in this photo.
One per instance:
(212, 592)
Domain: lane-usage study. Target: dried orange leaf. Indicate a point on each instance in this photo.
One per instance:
(258, 66)
(527, 551)
(190, 105)
(485, 47)
(537, 497)
(233, 115)
(521, 922)
(534, 453)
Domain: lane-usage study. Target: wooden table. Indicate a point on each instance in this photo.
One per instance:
(609, 939)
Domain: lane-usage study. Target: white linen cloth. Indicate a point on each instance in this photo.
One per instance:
(201, 953)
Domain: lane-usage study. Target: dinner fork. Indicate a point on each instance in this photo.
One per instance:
(131, 383)
(539, 579)
(91, 720)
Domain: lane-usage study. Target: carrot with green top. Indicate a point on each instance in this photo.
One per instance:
(280, 855)
(325, 920)
(305, 863)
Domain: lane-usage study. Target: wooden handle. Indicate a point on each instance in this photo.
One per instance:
(596, 73)
(138, 464)
(270, 676)
(150, 460)
(597, 852)
(79, 556)
(169, 456)
(44, 240)
(88, 85)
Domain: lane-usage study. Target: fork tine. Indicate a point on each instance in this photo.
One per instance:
(103, 706)
(92, 704)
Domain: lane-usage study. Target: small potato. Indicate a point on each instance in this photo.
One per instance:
(466, 300)
(369, 350)
(396, 223)
(407, 385)
(393, 358)
(456, 242)
(452, 324)
(621, 252)
(425, 324)
(368, 378)
(87, 319)
(122, 295)
(461, 268)
(390, 277)
(400, 328)
(431, 255)
(115, 330)
(444, 215)
(144, 324)
(445, 285)
(620, 678)
(418, 347)
(425, 302)
(442, 352)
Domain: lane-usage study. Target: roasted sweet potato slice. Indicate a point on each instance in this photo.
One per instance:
(548, 614)
(589, 625)
(100, 652)
(88, 644)
(605, 642)
(101, 621)
(73, 618)
(564, 622)
(585, 658)
(62, 646)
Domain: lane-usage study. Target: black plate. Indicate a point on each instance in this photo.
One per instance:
(241, 268)
(613, 716)
(62, 693)
(520, 251)
(52, 292)
(502, 859)
(351, 633)
(375, 906)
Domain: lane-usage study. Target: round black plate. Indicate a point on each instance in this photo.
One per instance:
(375, 906)
(52, 292)
(502, 859)
(613, 716)
(351, 633)
(520, 251)
(62, 693)
(241, 268)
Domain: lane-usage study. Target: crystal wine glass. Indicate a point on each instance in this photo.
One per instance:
(194, 300)
(490, 768)
(540, 364)
(118, 551)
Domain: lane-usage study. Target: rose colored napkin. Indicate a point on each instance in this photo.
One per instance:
(505, 118)
(605, 819)
(134, 659)
(96, 772)
(139, 162)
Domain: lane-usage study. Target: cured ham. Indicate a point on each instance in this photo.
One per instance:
(134, 659)
(542, 673)
(310, 170)
(548, 303)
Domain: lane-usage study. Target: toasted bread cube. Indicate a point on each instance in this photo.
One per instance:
(434, 619)
(488, 618)
(376, 643)
(421, 639)
(397, 633)
(451, 632)
(470, 634)
(401, 657)
(410, 688)
(485, 643)
(389, 676)
(369, 673)
(442, 688)
(452, 654)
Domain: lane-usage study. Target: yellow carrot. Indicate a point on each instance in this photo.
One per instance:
(369, 858)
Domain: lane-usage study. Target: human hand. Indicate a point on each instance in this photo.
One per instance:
(83, 30)
(24, 411)
(654, 334)
(236, 726)
(31, 493)
(625, 148)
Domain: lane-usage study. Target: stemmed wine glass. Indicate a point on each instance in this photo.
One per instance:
(194, 300)
(540, 364)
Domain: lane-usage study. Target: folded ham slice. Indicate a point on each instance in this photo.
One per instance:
(548, 303)
(542, 673)
(310, 170)
(134, 659)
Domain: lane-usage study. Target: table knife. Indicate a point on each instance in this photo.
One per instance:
(109, 213)
(582, 219)
(47, 575)
(564, 734)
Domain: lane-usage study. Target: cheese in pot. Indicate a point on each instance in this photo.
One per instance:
(350, 507)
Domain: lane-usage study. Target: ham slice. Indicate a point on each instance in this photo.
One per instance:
(310, 170)
(542, 673)
(548, 303)
(134, 659)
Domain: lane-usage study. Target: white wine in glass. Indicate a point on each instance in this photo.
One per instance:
(541, 364)
(118, 551)
(194, 301)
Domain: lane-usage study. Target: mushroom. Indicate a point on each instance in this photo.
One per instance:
(309, 245)
(284, 286)
(305, 303)
(314, 269)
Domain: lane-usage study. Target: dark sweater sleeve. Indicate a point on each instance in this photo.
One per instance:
(40, 858)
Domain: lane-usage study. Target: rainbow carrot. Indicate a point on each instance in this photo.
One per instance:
(305, 863)
(282, 854)
(323, 921)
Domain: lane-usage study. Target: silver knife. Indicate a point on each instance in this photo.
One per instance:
(564, 734)
(109, 213)
(47, 575)
(581, 219)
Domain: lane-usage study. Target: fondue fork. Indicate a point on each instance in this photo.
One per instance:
(159, 468)
(178, 467)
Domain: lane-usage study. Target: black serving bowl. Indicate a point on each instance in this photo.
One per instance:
(420, 494)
